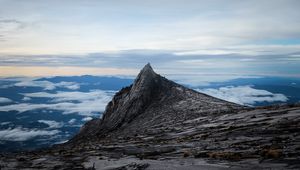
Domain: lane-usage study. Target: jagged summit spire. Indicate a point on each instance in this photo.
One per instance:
(146, 70)
(148, 67)
(146, 76)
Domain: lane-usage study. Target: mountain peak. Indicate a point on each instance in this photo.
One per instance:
(147, 72)
(147, 67)
(145, 78)
(152, 95)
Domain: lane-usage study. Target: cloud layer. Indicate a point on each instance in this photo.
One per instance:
(5, 100)
(23, 134)
(244, 95)
(52, 124)
(37, 27)
(83, 103)
(187, 69)
(47, 85)
(226, 37)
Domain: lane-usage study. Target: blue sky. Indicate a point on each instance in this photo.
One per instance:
(224, 38)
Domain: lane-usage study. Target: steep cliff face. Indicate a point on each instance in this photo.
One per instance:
(150, 100)
(133, 100)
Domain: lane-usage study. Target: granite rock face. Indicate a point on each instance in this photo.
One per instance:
(157, 124)
(152, 100)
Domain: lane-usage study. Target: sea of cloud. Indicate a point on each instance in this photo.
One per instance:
(82, 103)
(52, 124)
(23, 134)
(87, 103)
(5, 100)
(68, 102)
(244, 95)
(47, 85)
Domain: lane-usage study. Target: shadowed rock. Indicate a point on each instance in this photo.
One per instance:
(151, 100)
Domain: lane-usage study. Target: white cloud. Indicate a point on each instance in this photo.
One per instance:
(30, 83)
(245, 95)
(52, 124)
(87, 119)
(195, 80)
(129, 62)
(47, 85)
(205, 24)
(72, 121)
(86, 103)
(69, 85)
(62, 96)
(5, 123)
(245, 50)
(26, 98)
(5, 100)
(23, 134)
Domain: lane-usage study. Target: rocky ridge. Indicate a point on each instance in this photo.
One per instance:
(158, 124)
(152, 100)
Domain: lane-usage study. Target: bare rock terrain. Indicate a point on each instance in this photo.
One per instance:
(157, 124)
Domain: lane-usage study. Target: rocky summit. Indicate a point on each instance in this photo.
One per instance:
(157, 124)
(151, 101)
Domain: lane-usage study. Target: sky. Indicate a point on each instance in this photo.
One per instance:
(213, 38)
